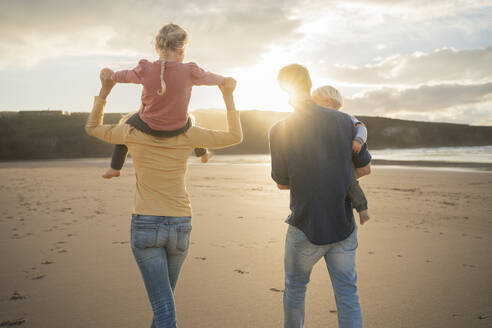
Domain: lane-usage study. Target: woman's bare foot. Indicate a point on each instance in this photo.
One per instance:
(208, 155)
(364, 216)
(111, 173)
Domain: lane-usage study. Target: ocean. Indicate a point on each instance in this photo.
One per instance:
(477, 154)
(441, 158)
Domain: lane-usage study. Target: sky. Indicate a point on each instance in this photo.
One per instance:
(420, 60)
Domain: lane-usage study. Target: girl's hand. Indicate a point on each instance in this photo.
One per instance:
(356, 146)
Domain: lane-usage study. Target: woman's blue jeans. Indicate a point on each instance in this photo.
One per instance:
(160, 245)
(300, 257)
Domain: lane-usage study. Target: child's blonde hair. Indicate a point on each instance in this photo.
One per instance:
(328, 96)
(170, 37)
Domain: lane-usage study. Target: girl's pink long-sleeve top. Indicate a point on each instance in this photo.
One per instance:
(169, 111)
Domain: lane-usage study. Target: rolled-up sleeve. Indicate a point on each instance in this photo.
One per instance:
(280, 172)
(362, 158)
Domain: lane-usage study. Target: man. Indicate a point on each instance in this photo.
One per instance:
(311, 154)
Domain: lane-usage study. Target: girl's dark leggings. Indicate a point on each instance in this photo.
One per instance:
(120, 151)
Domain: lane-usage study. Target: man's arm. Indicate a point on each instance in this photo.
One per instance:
(279, 164)
(112, 133)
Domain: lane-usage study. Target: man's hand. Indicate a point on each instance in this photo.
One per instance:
(356, 146)
(107, 82)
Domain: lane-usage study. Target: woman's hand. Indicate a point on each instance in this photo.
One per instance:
(228, 86)
(106, 73)
(107, 82)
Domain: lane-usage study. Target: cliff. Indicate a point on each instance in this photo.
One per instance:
(58, 134)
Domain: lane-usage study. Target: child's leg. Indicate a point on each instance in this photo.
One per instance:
(199, 152)
(358, 198)
(117, 161)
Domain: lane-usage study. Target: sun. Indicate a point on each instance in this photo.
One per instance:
(257, 85)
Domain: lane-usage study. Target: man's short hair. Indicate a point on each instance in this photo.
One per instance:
(294, 78)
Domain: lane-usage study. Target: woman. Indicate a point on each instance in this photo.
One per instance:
(161, 219)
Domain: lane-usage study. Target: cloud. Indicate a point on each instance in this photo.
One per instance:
(446, 100)
(221, 32)
(443, 65)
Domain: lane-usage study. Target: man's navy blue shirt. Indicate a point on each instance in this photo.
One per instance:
(311, 152)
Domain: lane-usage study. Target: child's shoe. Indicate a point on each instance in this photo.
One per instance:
(111, 173)
(205, 157)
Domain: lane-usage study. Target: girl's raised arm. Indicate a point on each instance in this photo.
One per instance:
(131, 76)
(202, 77)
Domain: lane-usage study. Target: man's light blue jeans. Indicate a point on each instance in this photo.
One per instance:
(300, 257)
(160, 245)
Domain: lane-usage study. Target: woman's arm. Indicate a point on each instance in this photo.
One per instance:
(205, 138)
(112, 133)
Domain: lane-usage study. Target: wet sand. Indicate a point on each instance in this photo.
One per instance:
(424, 259)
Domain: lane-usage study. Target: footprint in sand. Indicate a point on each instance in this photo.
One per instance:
(276, 290)
(62, 251)
(241, 271)
(200, 258)
(13, 323)
(41, 276)
(428, 261)
(333, 311)
(469, 266)
(370, 252)
(121, 242)
(399, 255)
(47, 262)
(482, 317)
(17, 296)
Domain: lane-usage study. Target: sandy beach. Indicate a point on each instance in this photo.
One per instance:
(424, 259)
